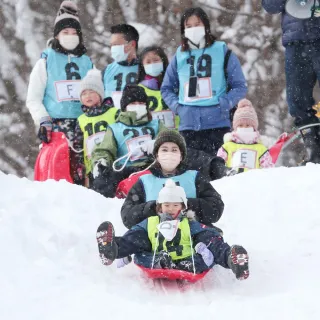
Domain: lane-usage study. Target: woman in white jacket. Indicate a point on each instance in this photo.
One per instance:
(52, 97)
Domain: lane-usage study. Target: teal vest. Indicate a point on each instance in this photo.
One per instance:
(208, 63)
(61, 98)
(124, 135)
(116, 77)
(153, 185)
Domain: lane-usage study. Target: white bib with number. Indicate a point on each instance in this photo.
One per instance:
(244, 158)
(134, 146)
(204, 90)
(93, 141)
(165, 116)
(168, 229)
(116, 97)
(67, 90)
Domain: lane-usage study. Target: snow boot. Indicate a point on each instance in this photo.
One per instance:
(238, 262)
(311, 139)
(108, 249)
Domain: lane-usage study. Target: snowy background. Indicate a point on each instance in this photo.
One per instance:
(26, 25)
(50, 268)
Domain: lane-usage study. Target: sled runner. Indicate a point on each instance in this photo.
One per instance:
(172, 274)
(53, 160)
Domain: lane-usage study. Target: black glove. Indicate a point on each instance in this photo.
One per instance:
(44, 133)
(101, 168)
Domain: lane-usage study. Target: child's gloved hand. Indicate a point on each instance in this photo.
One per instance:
(44, 133)
(148, 146)
(123, 262)
(232, 172)
(100, 168)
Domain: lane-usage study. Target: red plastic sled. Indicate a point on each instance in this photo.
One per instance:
(172, 275)
(275, 150)
(125, 185)
(53, 160)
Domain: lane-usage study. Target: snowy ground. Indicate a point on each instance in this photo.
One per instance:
(50, 268)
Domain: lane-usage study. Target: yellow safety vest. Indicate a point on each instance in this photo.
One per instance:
(246, 156)
(179, 247)
(156, 103)
(93, 129)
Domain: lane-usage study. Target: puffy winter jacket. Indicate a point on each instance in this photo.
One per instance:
(207, 206)
(294, 30)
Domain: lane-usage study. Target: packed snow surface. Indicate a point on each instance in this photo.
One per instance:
(50, 267)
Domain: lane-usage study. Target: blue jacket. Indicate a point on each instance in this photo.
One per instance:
(294, 30)
(202, 118)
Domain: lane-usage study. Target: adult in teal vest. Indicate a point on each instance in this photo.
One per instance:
(124, 69)
(170, 152)
(124, 147)
(199, 87)
(53, 99)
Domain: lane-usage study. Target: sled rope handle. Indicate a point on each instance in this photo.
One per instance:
(192, 257)
(134, 173)
(155, 251)
(128, 155)
(70, 144)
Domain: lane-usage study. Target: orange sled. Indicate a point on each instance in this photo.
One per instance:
(53, 161)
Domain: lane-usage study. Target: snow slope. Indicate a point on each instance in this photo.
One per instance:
(50, 268)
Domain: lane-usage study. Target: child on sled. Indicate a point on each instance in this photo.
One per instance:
(242, 149)
(169, 240)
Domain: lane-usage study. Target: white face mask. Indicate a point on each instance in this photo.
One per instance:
(118, 54)
(246, 134)
(69, 41)
(153, 69)
(169, 161)
(195, 34)
(139, 109)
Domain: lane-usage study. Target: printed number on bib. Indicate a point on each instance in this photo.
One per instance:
(204, 90)
(244, 158)
(116, 97)
(134, 146)
(167, 117)
(67, 90)
(93, 141)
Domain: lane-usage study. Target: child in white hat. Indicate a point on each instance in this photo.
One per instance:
(98, 113)
(168, 240)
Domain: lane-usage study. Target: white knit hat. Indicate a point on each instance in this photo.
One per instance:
(92, 81)
(172, 193)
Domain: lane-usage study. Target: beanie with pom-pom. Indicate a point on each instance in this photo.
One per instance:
(245, 115)
(67, 17)
(172, 193)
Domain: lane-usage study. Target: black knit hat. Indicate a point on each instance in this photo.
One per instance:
(132, 93)
(170, 136)
(67, 17)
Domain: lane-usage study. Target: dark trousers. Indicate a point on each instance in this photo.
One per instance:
(136, 241)
(209, 141)
(302, 72)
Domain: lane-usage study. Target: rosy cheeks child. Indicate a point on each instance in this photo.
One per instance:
(90, 98)
(172, 208)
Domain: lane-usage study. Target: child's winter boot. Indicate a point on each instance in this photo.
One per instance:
(108, 248)
(238, 262)
(164, 261)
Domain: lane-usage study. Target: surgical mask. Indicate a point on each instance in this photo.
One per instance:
(246, 134)
(139, 109)
(118, 54)
(153, 69)
(69, 41)
(169, 161)
(195, 34)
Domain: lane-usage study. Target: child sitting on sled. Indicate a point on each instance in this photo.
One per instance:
(98, 114)
(168, 240)
(242, 149)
